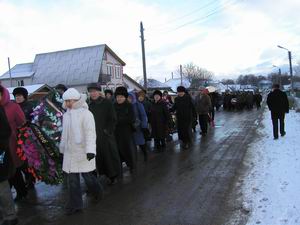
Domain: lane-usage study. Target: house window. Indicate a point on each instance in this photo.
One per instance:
(118, 72)
(20, 83)
(110, 69)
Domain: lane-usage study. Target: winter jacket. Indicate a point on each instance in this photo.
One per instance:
(203, 104)
(5, 132)
(108, 158)
(124, 133)
(16, 119)
(78, 138)
(27, 108)
(278, 102)
(159, 120)
(141, 116)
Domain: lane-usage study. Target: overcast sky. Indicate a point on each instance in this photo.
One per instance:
(228, 37)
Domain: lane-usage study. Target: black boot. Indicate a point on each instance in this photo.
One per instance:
(144, 150)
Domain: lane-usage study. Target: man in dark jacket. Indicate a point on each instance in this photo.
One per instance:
(6, 201)
(279, 105)
(203, 107)
(186, 114)
(258, 100)
(107, 159)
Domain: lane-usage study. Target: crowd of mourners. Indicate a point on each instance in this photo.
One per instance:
(102, 133)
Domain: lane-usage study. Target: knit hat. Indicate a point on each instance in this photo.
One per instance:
(181, 89)
(61, 87)
(20, 91)
(94, 86)
(71, 94)
(121, 91)
(157, 92)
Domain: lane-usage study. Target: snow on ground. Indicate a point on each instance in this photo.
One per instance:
(272, 186)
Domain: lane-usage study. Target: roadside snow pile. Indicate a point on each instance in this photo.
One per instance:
(272, 188)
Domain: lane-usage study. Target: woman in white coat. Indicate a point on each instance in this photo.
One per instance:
(78, 145)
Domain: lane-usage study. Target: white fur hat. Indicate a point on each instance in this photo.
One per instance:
(71, 93)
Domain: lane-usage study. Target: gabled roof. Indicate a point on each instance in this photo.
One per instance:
(71, 67)
(175, 82)
(125, 76)
(23, 70)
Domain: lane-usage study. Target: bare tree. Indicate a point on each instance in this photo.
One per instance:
(195, 74)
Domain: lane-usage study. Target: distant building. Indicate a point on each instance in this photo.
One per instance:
(153, 84)
(73, 68)
(265, 85)
(131, 84)
(175, 82)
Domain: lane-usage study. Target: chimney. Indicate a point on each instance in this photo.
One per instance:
(172, 75)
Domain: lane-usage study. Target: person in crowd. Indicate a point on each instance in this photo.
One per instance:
(278, 105)
(107, 157)
(159, 120)
(203, 107)
(16, 119)
(7, 208)
(109, 94)
(141, 124)
(78, 146)
(125, 128)
(146, 103)
(258, 100)
(61, 89)
(250, 100)
(214, 102)
(21, 97)
(167, 99)
(186, 114)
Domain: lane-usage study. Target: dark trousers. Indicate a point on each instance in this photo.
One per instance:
(159, 143)
(17, 181)
(203, 121)
(275, 118)
(74, 189)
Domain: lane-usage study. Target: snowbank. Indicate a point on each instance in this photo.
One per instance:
(272, 188)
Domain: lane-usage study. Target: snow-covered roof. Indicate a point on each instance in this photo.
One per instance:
(175, 82)
(152, 83)
(19, 71)
(30, 88)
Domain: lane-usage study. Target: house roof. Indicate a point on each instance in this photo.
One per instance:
(175, 82)
(23, 70)
(152, 83)
(125, 76)
(78, 66)
(30, 88)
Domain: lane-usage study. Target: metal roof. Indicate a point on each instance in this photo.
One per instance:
(70, 67)
(23, 70)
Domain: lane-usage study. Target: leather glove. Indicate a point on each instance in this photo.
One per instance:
(90, 156)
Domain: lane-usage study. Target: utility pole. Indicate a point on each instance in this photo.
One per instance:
(291, 71)
(143, 55)
(279, 73)
(181, 75)
(9, 70)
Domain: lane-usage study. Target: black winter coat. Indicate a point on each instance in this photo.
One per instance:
(124, 133)
(159, 120)
(27, 108)
(5, 160)
(107, 158)
(278, 102)
(186, 114)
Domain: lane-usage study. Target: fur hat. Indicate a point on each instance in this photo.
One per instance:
(181, 89)
(61, 87)
(94, 86)
(121, 91)
(20, 91)
(157, 92)
(108, 91)
(71, 94)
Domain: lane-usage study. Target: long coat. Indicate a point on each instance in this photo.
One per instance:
(159, 119)
(108, 158)
(124, 133)
(186, 114)
(5, 160)
(141, 116)
(78, 138)
(16, 119)
(27, 108)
